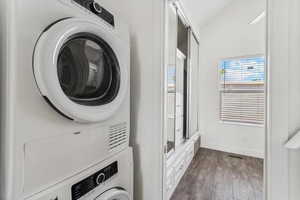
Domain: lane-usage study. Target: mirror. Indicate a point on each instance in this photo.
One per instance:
(194, 84)
(171, 78)
(180, 94)
(182, 78)
(183, 65)
(177, 80)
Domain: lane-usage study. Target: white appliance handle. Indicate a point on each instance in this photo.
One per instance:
(294, 142)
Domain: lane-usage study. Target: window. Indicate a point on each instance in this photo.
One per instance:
(242, 90)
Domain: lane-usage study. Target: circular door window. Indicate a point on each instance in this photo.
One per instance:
(88, 70)
(82, 69)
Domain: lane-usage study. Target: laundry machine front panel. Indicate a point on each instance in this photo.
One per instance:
(82, 69)
(103, 181)
(88, 184)
(65, 155)
(98, 10)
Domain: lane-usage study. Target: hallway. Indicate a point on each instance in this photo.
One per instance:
(215, 175)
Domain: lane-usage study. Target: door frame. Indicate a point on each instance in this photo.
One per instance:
(277, 108)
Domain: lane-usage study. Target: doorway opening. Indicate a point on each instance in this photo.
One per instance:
(231, 99)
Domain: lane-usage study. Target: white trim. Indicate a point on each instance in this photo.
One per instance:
(241, 124)
(180, 54)
(159, 36)
(266, 163)
(164, 88)
(243, 56)
(277, 123)
(184, 17)
(230, 149)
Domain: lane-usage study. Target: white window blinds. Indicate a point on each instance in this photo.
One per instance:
(242, 90)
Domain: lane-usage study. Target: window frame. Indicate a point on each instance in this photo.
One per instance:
(221, 90)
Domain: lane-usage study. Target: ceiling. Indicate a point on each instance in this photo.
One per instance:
(201, 11)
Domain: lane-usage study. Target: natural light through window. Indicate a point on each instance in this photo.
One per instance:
(242, 97)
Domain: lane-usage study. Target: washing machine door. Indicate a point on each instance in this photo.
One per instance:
(114, 194)
(81, 68)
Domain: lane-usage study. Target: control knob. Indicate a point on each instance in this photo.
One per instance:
(100, 178)
(96, 8)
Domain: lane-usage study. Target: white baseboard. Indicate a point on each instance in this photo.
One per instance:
(240, 151)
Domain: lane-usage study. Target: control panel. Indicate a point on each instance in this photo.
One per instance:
(88, 184)
(98, 10)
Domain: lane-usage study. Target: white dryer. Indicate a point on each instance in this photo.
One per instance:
(65, 91)
(81, 68)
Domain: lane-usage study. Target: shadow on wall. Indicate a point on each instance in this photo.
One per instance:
(135, 82)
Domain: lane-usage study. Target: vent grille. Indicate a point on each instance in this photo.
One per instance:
(117, 135)
(236, 157)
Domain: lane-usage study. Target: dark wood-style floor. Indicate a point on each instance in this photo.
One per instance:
(215, 175)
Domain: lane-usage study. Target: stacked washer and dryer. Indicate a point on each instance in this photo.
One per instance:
(65, 102)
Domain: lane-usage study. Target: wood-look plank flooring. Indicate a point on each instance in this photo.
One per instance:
(215, 175)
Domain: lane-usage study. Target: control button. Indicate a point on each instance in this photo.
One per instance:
(100, 178)
(96, 8)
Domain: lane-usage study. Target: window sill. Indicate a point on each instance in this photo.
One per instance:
(242, 124)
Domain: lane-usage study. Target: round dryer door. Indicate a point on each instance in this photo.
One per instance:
(114, 194)
(81, 68)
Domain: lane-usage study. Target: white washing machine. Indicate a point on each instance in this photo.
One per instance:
(65, 91)
(112, 179)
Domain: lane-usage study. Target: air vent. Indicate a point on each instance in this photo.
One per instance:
(236, 157)
(117, 135)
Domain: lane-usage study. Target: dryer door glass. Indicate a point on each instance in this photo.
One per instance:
(114, 194)
(88, 70)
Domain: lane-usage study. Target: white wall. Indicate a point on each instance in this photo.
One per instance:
(200, 11)
(145, 19)
(229, 34)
